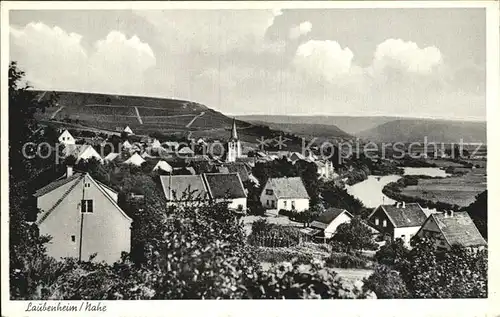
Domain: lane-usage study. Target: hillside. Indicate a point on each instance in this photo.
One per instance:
(308, 130)
(145, 115)
(349, 124)
(415, 130)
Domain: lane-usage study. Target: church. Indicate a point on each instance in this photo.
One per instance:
(233, 145)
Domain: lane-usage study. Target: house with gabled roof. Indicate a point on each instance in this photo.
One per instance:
(135, 159)
(288, 193)
(450, 228)
(66, 138)
(163, 166)
(192, 189)
(128, 130)
(400, 220)
(185, 152)
(81, 152)
(83, 218)
(329, 220)
(111, 157)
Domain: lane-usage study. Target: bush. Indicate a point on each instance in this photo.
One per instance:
(347, 261)
(392, 254)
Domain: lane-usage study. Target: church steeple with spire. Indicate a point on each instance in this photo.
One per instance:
(233, 145)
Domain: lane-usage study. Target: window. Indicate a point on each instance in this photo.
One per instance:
(403, 237)
(87, 184)
(293, 204)
(73, 238)
(284, 203)
(376, 222)
(269, 191)
(268, 202)
(384, 223)
(87, 206)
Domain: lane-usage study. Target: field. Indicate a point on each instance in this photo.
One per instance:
(146, 115)
(460, 190)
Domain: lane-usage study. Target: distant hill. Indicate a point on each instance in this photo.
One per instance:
(349, 124)
(146, 115)
(308, 130)
(415, 130)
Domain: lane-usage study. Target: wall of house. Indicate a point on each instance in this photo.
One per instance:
(300, 204)
(405, 233)
(106, 231)
(234, 203)
(431, 230)
(264, 198)
(332, 227)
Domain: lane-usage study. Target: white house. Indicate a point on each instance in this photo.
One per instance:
(449, 228)
(111, 157)
(285, 193)
(83, 218)
(400, 220)
(135, 159)
(227, 188)
(66, 138)
(329, 221)
(82, 152)
(164, 166)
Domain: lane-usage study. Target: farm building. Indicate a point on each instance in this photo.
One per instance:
(82, 152)
(135, 159)
(164, 166)
(327, 222)
(66, 138)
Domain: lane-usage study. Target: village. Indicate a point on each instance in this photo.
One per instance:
(83, 216)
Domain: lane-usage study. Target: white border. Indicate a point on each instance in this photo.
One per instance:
(291, 308)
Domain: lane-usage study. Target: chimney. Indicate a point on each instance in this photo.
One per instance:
(445, 213)
(69, 171)
(403, 204)
(398, 204)
(451, 213)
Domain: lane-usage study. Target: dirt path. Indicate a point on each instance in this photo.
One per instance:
(194, 119)
(138, 115)
(56, 112)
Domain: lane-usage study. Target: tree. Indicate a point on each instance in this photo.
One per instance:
(386, 283)
(392, 254)
(478, 211)
(337, 197)
(353, 236)
(455, 273)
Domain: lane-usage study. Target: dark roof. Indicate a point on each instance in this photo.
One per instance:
(225, 185)
(289, 187)
(412, 215)
(176, 185)
(239, 168)
(330, 214)
(459, 229)
(56, 184)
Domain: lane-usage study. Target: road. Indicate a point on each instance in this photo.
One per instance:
(194, 119)
(138, 115)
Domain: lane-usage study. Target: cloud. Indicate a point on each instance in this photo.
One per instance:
(300, 30)
(56, 59)
(323, 60)
(213, 31)
(406, 56)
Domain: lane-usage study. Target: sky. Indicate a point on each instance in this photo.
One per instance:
(392, 62)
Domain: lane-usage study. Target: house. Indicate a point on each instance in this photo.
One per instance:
(328, 221)
(400, 220)
(155, 144)
(164, 166)
(296, 156)
(285, 193)
(205, 187)
(83, 218)
(82, 152)
(171, 145)
(128, 130)
(184, 188)
(66, 138)
(146, 155)
(135, 159)
(325, 169)
(185, 152)
(126, 145)
(452, 228)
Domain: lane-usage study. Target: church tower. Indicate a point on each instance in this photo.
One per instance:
(233, 145)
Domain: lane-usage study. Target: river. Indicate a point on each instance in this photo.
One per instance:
(369, 191)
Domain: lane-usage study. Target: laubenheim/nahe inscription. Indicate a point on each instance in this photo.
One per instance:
(66, 307)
